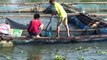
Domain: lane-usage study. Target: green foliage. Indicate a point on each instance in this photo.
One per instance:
(101, 52)
(81, 58)
(80, 48)
(59, 57)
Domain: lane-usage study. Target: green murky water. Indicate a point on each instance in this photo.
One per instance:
(73, 51)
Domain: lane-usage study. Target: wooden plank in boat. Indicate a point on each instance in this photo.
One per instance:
(78, 38)
(43, 38)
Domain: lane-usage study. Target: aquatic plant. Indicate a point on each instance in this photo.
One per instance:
(8, 58)
(82, 49)
(101, 52)
(59, 57)
(81, 58)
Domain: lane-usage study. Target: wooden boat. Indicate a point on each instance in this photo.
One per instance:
(73, 38)
(86, 21)
(53, 40)
(88, 35)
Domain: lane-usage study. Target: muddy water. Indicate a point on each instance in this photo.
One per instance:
(73, 51)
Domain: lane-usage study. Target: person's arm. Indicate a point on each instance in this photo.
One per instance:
(41, 29)
(57, 8)
(54, 13)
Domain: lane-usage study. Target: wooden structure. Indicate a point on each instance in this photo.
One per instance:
(75, 38)
(37, 40)
(7, 42)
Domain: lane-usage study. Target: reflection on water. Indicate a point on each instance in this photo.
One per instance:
(6, 53)
(75, 51)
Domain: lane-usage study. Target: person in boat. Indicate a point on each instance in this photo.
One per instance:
(62, 17)
(36, 26)
(4, 29)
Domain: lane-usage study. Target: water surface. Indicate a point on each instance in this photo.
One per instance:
(73, 51)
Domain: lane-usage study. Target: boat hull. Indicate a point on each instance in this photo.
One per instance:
(53, 40)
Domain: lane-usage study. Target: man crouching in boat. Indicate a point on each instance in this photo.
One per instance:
(5, 31)
(36, 26)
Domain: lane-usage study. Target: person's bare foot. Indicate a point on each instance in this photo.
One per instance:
(37, 36)
(57, 36)
(68, 35)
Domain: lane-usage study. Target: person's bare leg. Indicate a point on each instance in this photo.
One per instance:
(67, 30)
(65, 22)
(58, 27)
(41, 29)
(37, 35)
(58, 31)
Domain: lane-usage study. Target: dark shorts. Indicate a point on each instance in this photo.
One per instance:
(32, 33)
